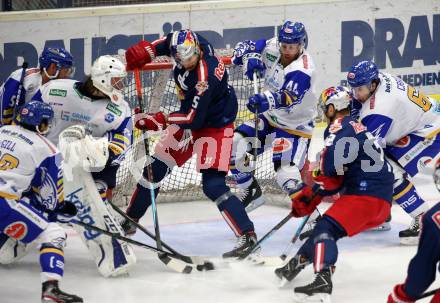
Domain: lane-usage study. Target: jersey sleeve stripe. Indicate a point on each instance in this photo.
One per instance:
(182, 118)
(203, 71)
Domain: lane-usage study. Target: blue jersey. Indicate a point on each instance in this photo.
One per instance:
(206, 98)
(422, 268)
(352, 152)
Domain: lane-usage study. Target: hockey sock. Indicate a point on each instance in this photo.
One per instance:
(230, 207)
(51, 262)
(141, 198)
(405, 194)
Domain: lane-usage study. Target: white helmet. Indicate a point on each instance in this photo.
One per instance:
(339, 96)
(108, 75)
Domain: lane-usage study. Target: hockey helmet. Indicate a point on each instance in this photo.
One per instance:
(292, 33)
(58, 56)
(339, 96)
(362, 73)
(184, 44)
(108, 75)
(34, 113)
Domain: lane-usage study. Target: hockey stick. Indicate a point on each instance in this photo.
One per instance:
(168, 259)
(20, 98)
(255, 83)
(192, 260)
(149, 168)
(266, 236)
(289, 248)
(275, 228)
(429, 293)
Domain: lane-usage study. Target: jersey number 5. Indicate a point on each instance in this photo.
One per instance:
(418, 98)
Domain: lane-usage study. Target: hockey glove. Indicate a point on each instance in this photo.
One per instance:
(155, 122)
(398, 295)
(328, 185)
(261, 102)
(64, 213)
(140, 54)
(304, 202)
(252, 63)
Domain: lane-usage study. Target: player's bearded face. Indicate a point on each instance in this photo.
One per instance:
(361, 93)
(290, 51)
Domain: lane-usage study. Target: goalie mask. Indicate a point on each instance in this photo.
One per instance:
(108, 75)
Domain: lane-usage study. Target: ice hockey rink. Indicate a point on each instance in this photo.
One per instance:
(369, 264)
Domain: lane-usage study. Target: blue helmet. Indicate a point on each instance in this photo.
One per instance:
(362, 73)
(292, 33)
(34, 113)
(184, 44)
(61, 57)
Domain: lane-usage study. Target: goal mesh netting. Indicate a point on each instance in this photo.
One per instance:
(183, 184)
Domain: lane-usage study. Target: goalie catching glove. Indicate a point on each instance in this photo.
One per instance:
(83, 150)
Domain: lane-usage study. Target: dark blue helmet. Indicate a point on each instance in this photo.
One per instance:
(61, 57)
(362, 73)
(34, 113)
(292, 33)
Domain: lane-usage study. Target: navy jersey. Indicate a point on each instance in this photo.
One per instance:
(422, 268)
(206, 98)
(351, 151)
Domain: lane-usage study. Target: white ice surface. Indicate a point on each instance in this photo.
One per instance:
(369, 264)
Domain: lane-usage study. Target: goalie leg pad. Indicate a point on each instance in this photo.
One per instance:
(111, 256)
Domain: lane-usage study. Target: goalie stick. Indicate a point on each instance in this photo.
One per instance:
(167, 258)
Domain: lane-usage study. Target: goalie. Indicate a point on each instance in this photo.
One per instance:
(84, 109)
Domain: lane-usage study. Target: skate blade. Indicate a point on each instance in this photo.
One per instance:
(283, 282)
(317, 298)
(255, 204)
(409, 241)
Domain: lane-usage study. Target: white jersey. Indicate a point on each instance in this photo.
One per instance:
(28, 160)
(100, 117)
(397, 109)
(298, 78)
(8, 91)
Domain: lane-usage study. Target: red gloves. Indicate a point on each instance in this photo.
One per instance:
(303, 202)
(329, 184)
(140, 54)
(398, 295)
(153, 122)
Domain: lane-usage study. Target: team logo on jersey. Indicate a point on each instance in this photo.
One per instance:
(436, 218)
(403, 142)
(16, 230)
(109, 118)
(201, 87)
(281, 145)
(114, 109)
(358, 127)
(58, 92)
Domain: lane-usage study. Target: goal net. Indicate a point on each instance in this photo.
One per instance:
(184, 183)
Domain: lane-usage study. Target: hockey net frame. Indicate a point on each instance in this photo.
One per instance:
(184, 183)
